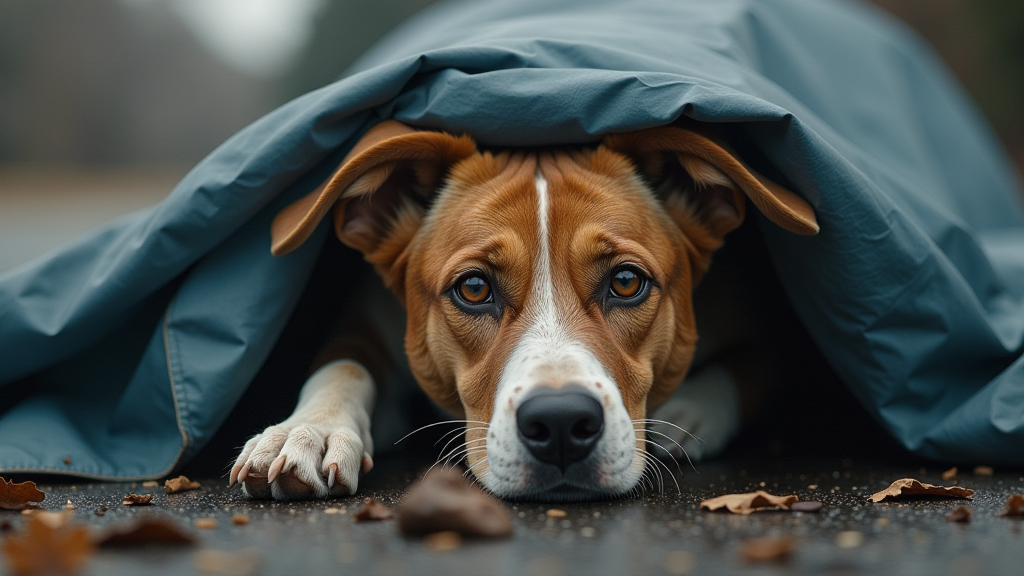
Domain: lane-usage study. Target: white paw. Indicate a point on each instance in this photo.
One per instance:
(703, 416)
(301, 461)
(321, 448)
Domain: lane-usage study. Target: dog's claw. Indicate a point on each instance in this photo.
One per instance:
(275, 467)
(367, 463)
(243, 473)
(234, 475)
(332, 472)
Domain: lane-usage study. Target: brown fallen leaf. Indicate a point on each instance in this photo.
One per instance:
(101, 511)
(950, 474)
(21, 496)
(768, 549)
(180, 484)
(959, 514)
(1014, 506)
(40, 549)
(748, 503)
(373, 510)
(145, 531)
(911, 487)
(445, 501)
(137, 499)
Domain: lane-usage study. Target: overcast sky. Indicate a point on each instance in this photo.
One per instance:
(258, 37)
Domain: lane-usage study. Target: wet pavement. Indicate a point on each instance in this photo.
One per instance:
(663, 532)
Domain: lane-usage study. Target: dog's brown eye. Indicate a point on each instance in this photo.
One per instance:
(626, 283)
(474, 290)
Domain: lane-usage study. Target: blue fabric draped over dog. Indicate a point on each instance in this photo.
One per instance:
(143, 335)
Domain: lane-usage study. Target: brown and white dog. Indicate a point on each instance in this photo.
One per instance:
(548, 297)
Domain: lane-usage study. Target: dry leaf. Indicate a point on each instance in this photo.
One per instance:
(1014, 506)
(950, 474)
(445, 501)
(101, 511)
(959, 514)
(19, 496)
(238, 563)
(146, 531)
(137, 499)
(180, 484)
(911, 487)
(747, 503)
(768, 549)
(983, 471)
(373, 510)
(40, 549)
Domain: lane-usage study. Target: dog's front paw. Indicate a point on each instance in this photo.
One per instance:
(292, 461)
(702, 416)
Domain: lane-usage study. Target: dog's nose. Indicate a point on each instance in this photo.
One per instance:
(560, 426)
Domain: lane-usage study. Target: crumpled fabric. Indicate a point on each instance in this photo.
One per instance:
(142, 335)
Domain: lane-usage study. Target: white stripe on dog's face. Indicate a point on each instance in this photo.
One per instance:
(547, 355)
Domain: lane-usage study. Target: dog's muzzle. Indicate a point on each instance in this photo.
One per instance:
(560, 426)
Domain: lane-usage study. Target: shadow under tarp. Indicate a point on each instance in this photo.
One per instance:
(139, 338)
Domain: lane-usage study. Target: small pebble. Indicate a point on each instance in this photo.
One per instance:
(805, 506)
(587, 532)
(849, 539)
(150, 484)
(240, 519)
(70, 506)
(983, 471)
(205, 523)
(959, 514)
(332, 510)
(556, 513)
(101, 511)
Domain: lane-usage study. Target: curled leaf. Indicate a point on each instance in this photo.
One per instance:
(42, 549)
(180, 484)
(137, 499)
(911, 487)
(748, 503)
(21, 496)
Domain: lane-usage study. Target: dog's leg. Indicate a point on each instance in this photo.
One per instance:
(322, 447)
(703, 416)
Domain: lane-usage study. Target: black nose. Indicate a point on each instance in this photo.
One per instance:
(560, 426)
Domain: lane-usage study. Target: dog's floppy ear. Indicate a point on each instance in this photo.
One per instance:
(720, 180)
(390, 165)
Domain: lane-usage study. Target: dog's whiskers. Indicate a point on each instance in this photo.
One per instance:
(439, 424)
(649, 465)
(669, 452)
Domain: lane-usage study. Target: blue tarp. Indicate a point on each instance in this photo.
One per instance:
(142, 335)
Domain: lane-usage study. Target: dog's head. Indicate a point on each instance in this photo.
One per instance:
(548, 291)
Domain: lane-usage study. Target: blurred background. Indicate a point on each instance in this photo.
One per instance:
(105, 104)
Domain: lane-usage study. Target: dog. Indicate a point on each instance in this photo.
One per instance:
(549, 303)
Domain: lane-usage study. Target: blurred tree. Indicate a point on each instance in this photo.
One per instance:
(345, 29)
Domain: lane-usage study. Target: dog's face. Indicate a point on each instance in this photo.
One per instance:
(548, 292)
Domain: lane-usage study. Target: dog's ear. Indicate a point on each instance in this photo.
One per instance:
(703, 185)
(391, 169)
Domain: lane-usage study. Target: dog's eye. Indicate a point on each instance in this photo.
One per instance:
(474, 289)
(627, 282)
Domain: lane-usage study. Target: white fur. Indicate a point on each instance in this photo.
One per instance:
(330, 426)
(547, 355)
